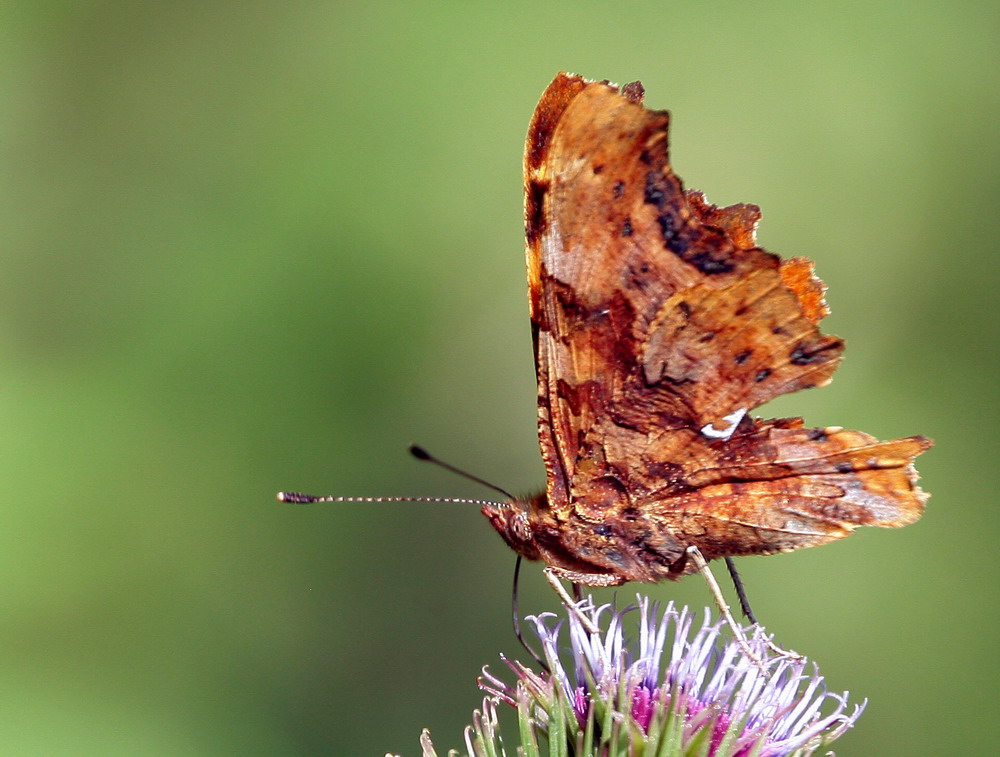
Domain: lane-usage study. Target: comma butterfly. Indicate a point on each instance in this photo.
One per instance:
(658, 326)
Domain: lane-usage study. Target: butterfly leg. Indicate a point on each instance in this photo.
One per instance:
(587, 579)
(741, 592)
(720, 601)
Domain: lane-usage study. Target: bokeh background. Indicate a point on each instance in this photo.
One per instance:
(267, 245)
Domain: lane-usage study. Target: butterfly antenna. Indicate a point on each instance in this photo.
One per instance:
(421, 454)
(298, 498)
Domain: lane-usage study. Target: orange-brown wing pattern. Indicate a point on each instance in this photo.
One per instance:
(658, 323)
(780, 487)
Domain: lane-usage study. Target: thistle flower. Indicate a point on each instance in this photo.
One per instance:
(664, 691)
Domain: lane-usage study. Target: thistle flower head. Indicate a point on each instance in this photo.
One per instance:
(667, 687)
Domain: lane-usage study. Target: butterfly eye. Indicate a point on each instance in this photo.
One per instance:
(519, 527)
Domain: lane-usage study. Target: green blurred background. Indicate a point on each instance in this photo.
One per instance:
(266, 245)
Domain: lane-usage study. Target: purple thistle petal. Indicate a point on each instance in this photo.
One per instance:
(643, 706)
(670, 669)
(581, 706)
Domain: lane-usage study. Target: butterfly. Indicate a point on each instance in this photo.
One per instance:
(659, 326)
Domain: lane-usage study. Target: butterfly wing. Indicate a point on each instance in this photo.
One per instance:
(658, 323)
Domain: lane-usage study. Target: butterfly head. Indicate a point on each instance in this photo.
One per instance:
(513, 522)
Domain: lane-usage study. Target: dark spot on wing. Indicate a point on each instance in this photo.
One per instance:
(534, 217)
(804, 355)
(633, 91)
(705, 263)
(675, 239)
(705, 252)
(655, 193)
(667, 472)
